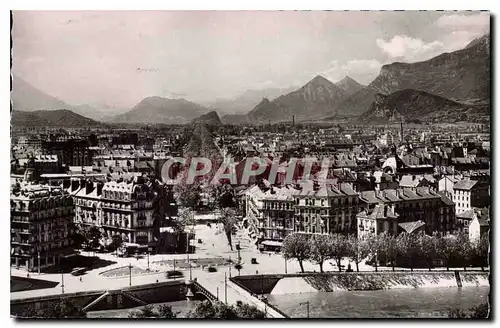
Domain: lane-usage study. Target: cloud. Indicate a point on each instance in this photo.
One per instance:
(362, 70)
(403, 47)
(473, 23)
(462, 29)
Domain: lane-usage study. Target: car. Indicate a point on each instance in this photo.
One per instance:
(78, 271)
(254, 260)
(172, 274)
(212, 269)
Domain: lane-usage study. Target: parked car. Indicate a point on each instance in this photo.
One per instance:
(212, 269)
(254, 260)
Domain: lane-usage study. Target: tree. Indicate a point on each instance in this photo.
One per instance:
(77, 235)
(408, 247)
(427, 246)
(480, 311)
(340, 249)
(374, 247)
(92, 236)
(228, 219)
(464, 249)
(388, 246)
(297, 246)
(358, 250)
(321, 249)
(187, 195)
(219, 310)
(446, 248)
(482, 249)
(64, 308)
(246, 311)
(162, 312)
(186, 218)
(116, 242)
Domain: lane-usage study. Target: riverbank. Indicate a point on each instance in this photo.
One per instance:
(359, 281)
(379, 281)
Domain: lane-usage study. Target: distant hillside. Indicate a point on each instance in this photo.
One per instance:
(162, 110)
(349, 85)
(244, 103)
(51, 118)
(235, 119)
(462, 75)
(211, 118)
(413, 105)
(26, 97)
(316, 98)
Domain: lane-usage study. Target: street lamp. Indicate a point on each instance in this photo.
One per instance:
(306, 303)
(130, 274)
(62, 281)
(285, 266)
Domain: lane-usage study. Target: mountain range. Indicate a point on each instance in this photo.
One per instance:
(316, 98)
(456, 81)
(211, 118)
(462, 75)
(162, 110)
(244, 102)
(63, 118)
(417, 106)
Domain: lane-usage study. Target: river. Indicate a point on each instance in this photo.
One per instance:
(395, 303)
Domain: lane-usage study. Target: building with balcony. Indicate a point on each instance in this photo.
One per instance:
(41, 218)
(326, 209)
(278, 209)
(119, 208)
(415, 204)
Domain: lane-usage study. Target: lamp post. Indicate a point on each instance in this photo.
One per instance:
(285, 266)
(307, 304)
(62, 281)
(130, 274)
(225, 287)
(149, 250)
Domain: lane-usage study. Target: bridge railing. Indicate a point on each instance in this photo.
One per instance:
(204, 291)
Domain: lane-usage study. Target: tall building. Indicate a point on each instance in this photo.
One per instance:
(129, 209)
(326, 209)
(413, 205)
(41, 218)
(470, 193)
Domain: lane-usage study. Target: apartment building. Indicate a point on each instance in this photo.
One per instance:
(469, 193)
(118, 208)
(414, 204)
(41, 219)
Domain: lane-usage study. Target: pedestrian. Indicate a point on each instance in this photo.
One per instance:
(80, 279)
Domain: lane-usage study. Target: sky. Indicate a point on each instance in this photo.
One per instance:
(116, 58)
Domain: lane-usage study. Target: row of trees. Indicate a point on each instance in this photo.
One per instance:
(90, 238)
(406, 249)
(219, 310)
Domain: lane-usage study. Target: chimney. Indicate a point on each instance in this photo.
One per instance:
(100, 185)
(74, 184)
